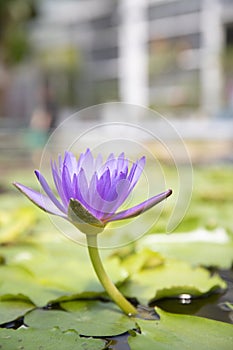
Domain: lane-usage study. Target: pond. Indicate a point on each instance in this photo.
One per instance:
(50, 298)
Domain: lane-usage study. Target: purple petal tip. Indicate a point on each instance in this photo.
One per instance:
(37, 173)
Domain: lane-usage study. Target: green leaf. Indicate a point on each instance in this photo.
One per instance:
(16, 223)
(178, 332)
(146, 259)
(200, 247)
(10, 310)
(171, 279)
(52, 339)
(87, 317)
(16, 281)
(57, 269)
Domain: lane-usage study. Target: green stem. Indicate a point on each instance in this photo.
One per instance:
(110, 288)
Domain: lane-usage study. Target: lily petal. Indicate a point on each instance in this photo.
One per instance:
(48, 191)
(58, 183)
(40, 200)
(136, 172)
(140, 208)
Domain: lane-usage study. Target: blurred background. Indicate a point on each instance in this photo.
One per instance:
(60, 56)
(175, 57)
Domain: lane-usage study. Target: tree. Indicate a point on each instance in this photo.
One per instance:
(14, 43)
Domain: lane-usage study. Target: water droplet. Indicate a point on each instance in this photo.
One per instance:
(185, 298)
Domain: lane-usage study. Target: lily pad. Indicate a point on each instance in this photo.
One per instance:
(56, 269)
(146, 259)
(171, 279)
(10, 310)
(178, 332)
(16, 223)
(199, 247)
(52, 339)
(16, 282)
(87, 317)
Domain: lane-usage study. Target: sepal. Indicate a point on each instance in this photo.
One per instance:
(79, 216)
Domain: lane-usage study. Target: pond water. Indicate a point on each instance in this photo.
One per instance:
(211, 306)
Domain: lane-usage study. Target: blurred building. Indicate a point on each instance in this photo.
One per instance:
(173, 55)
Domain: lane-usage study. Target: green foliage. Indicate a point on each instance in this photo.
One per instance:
(216, 250)
(52, 270)
(169, 279)
(87, 317)
(14, 41)
(178, 332)
(13, 309)
(16, 44)
(211, 204)
(40, 267)
(52, 339)
(15, 224)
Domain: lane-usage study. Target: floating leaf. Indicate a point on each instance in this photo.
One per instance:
(52, 339)
(200, 247)
(147, 259)
(16, 223)
(16, 281)
(56, 269)
(87, 317)
(10, 310)
(171, 279)
(178, 332)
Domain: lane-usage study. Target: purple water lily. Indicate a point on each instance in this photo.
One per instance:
(90, 193)
(90, 190)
